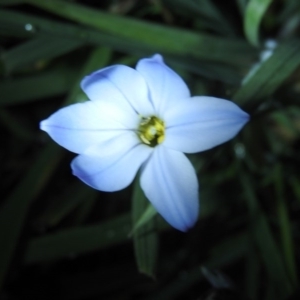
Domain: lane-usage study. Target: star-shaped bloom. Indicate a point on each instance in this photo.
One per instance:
(144, 119)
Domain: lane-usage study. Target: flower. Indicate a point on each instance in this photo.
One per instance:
(144, 119)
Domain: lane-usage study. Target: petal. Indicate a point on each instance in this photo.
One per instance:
(166, 87)
(111, 172)
(202, 123)
(121, 85)
(80, 126)
(169, 182)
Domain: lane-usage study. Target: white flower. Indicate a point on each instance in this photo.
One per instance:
(145, 119)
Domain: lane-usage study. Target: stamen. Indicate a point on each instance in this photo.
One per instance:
(151, 131)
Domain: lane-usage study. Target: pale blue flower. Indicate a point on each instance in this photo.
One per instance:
(144, 119)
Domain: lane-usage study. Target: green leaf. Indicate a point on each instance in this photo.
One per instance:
(145, 238)
(36, 49)
(36, 87)
(148, 214)
(242, 4)
(253, 272)
(153, 37)
(62, 205)
(205, 12)
(223, 254)
(79, 240)
(254, 13)
(13, 211)
(270, 75)
(265, 242)
(215, 71)
(285, 225)
(17, 204)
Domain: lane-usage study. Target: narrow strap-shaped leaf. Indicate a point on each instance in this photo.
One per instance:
(145, 237)
(81, 240)
(40, 48)
(78, 240)
(254, 13)
(265, 242)
(253, 269)
(61, 206)
(147, 215)
(285, 225)
(270, 74)
(223, 254)
(242, 4)
(36, 87)
(17, 204)
(152, 36)
(204, 12)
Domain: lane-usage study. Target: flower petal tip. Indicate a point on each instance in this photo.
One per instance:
(43, 125)
(184, 227)
(158, 58)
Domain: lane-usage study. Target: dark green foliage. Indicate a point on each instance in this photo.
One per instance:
(59, 239)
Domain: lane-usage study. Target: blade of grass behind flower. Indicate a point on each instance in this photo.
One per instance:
(81, 240)
(145, 237)
(242, 4)
(36, 87)
(255, 11)
(223, 72)
(153, 36)
(205, 12)
(37, 49)
(63, 204)
(17, 204)
(252, 270)
(14, 210)
(223, 254)
(270, 74)
(265, 242)
(13, 22)
(146, 216)
(78, 240)
(285, 225)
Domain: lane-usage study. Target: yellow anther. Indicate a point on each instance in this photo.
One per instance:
(151, 131)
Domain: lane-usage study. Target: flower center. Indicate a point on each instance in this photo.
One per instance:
(151, 131)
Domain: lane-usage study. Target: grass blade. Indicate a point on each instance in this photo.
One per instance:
(145, 237)
(152, 36)
(270, 74)
(36, 87)
(265, 242)
(255, 11)
(285, 226)
(17, 204)
(40, 48)
(78, 240)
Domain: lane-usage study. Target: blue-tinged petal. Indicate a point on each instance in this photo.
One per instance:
(117, 145)
(202, 123)
(169, 182)
(166, 87)
(80, 126)
(111, 172)
(121, 85)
